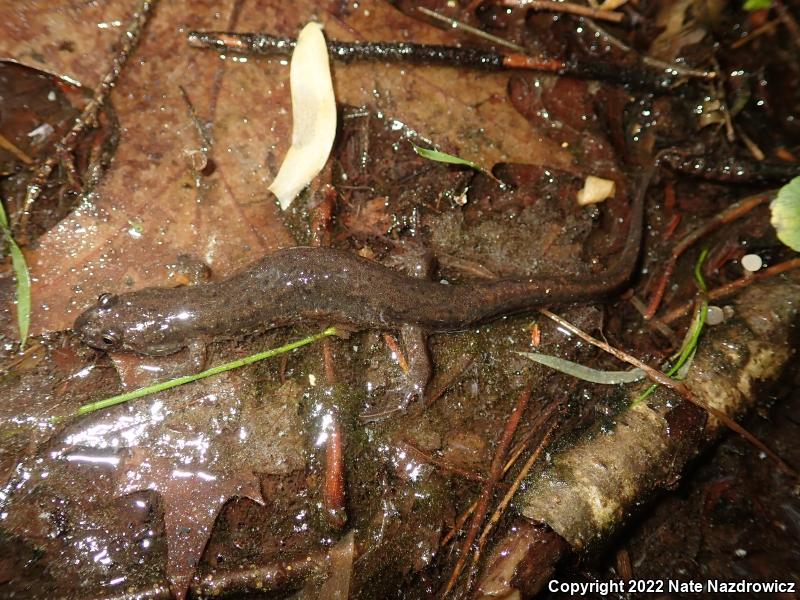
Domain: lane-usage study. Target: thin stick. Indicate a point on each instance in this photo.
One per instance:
(770, 25)
(566, 7)
(88, 117)
(495, 472)
(649, 60)
(470, 29)
(458, 524)
(440, 385)
(506, 500)
(263, 44)
(732, 213)
(9, 146)
(734, 286)
(675, 385)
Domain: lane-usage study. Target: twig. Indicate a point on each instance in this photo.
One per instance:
(770, 25)
(333, 496)
(7, 144)
(506, 500)
(470, 29)
(263, 44)
(735, 286)
(732, 213)
(495, 473)
(677, 386)
(649, 60)
(566, 7)
(397, 353)
(458, 524)
(88, 117)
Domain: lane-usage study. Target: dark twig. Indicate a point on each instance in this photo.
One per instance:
(788, 21)
(262, 44)
(88, 117)
(444, 381)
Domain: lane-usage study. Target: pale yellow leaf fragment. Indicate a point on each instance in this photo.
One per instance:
(596, 189)
(313, 116)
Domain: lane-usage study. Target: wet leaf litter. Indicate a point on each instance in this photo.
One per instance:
(201, 191)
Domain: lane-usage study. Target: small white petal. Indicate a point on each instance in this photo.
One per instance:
(313, 115)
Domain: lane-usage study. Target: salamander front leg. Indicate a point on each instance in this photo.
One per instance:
(416, 380)
(415, 341)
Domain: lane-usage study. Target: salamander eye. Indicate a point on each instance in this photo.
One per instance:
(106, 299)
(111, 338)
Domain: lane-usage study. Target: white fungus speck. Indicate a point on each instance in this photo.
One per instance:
(715, 315)
(752, 262)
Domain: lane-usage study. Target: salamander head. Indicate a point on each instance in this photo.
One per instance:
(128, 323)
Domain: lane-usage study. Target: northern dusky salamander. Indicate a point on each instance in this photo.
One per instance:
(335, 287)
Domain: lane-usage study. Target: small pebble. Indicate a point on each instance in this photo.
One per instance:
(715, 315)
(752, 262)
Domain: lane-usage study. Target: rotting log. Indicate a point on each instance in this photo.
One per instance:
(588, 490)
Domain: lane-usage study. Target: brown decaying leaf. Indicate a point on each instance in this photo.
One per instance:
(229, 220)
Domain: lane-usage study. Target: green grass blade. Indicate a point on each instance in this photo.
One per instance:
(235, 364)
(22, 277)
(583, 372)
(443, 157)
(687, 351)
(757, 4)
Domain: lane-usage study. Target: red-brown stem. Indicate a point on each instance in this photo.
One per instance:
(522, 61)
(732, 213)
(333, 497)
(734, 286)
(398, 353)
(495, 472)
(323, 214)
(328, 362)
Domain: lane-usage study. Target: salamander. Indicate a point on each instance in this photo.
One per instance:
(336, 287)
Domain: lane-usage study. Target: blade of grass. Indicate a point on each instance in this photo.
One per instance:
(583, 372)
(444, 157)
(235, 364)
(695, 328)
(22, 278)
